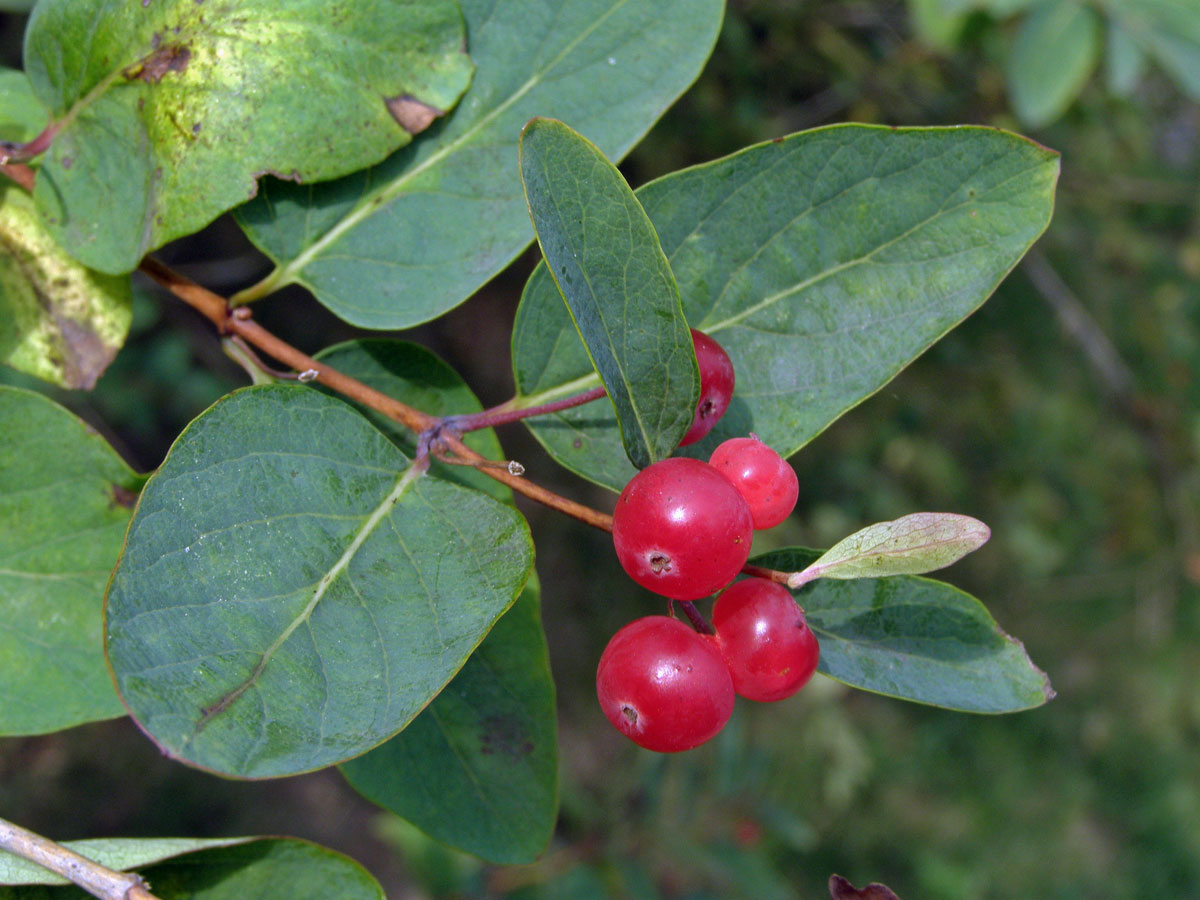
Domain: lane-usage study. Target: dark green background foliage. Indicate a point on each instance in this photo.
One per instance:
(1064, 413)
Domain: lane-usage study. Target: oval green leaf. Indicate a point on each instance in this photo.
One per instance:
(292, 593)
(65, 501)
(478, 769)
(262, 868)
(910, 545)
(408, 240)
(605, 259)
(915, 639)
(1167, 30)
(823, 263)
(169, 111)
(1054, 54)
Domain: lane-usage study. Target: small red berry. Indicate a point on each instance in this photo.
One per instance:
(664, 686)
(716, 386)
(681, 529)
(762, 476)
(769, 648)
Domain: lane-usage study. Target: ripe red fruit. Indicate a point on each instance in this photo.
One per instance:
(664, 686)
(767, 644)
(761, 475)
(716, 386)
(681, 529)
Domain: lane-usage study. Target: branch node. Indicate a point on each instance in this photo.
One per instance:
(307, 375)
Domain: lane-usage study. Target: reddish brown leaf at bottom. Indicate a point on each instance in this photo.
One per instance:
(841, 889)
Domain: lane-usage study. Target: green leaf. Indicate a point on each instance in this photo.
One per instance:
(935, 25)
(414, 375)
(119, 854)
(916, 639)
(910, 545)
(1169, 30)
(823, 263)
(169, 111)
(259, 868)
(65, 499)
(416, 236)
(1125, 62)
(59, 321)
(292, 592)
(1054, 54)
(478, 769)
(604, 256)
(22, 116)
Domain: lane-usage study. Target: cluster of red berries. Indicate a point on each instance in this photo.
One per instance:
(683, 528)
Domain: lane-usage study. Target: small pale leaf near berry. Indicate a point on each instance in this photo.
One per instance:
(910, 545)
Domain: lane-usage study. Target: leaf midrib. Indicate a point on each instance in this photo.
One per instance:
(406, 480)
(289, 273)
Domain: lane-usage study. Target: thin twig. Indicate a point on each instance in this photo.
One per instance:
(1080, 326)
(99, 881)
(238, 321)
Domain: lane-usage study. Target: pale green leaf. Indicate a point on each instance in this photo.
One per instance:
(1054, 54)
(119, 854)
(910, 545)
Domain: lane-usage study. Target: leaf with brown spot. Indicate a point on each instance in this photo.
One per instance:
(59, 320)
(277, 87)
(841, 889)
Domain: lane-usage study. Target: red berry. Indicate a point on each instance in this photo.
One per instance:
(769, 648)
(681, 529)
(664, 686)
(716, 386)
(762, 476)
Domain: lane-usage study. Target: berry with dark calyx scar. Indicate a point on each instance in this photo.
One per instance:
(716, 386)
(767, 644)
(681, 529)
(664, 686)
(761, 475)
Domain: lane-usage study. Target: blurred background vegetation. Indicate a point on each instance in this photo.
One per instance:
(1066, 414)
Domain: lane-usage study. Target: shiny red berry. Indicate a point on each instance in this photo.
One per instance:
(716, 386)
(664, 686)
(769, 648)
(762, 476)
(681, 529)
